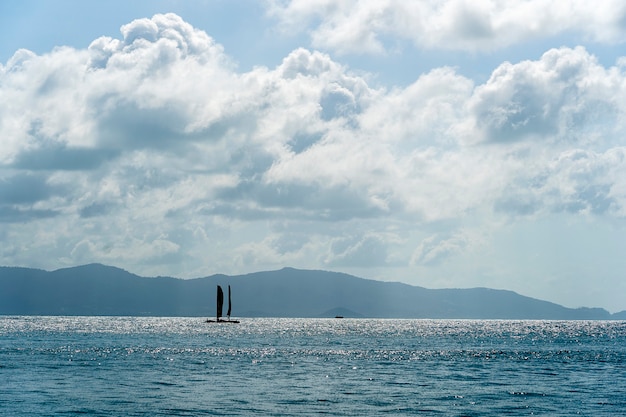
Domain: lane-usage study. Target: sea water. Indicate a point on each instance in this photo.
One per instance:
(129, 366)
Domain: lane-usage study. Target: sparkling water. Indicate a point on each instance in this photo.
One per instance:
(129, 366)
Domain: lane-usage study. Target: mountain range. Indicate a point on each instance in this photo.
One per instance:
(97, 289)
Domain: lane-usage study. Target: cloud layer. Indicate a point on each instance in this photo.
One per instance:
(153, 152)
(373, 26)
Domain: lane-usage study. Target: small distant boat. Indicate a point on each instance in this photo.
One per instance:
(220, 305)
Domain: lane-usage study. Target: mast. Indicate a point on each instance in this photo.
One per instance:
(229, 303)
(220, 302)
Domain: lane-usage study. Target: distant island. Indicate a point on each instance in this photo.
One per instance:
(97, 290)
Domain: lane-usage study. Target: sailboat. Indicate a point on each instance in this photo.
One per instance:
(220, 305)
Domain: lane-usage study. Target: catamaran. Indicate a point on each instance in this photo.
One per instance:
(220, 305)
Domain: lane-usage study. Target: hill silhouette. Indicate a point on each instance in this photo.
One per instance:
(97, 289)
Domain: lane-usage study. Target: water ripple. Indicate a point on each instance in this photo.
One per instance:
(181, 366)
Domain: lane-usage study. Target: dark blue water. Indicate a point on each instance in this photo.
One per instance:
(105, 366)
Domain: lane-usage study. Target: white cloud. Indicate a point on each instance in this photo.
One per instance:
(365, 251)
(436, 248)
(373, 26)
(154, 153)
(166, 109)
(566, 95)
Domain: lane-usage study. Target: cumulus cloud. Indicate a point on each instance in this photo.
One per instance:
(558, 96)
(367, 26)
(153, 149)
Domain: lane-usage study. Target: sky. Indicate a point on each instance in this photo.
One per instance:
(444, 144)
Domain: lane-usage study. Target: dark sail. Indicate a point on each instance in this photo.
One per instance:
(220, 301)
(229, 303)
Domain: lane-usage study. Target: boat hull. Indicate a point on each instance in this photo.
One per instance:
(222, 321)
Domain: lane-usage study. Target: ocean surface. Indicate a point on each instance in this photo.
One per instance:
(129, 366)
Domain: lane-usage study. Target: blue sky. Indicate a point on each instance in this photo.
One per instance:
(442, 144)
